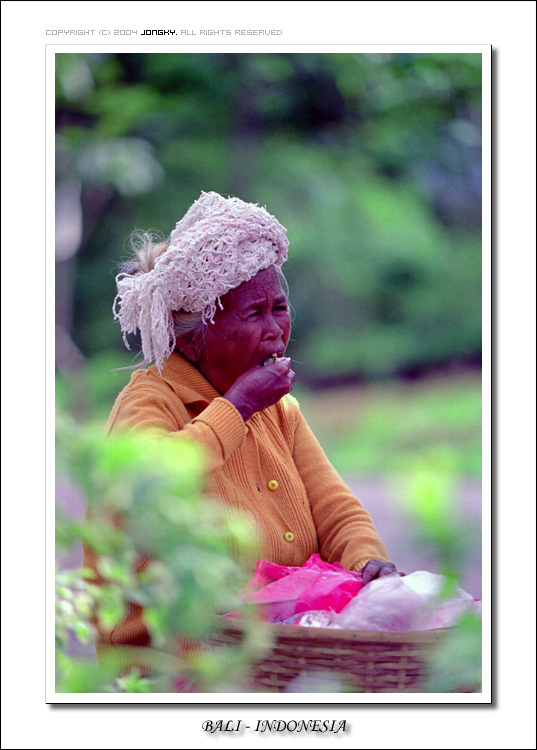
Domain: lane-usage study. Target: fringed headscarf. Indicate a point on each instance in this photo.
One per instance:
(219, 244)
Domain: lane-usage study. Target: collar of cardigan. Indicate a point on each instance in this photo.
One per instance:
(186, 380)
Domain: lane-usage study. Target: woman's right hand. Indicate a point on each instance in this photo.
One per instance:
(261, 387)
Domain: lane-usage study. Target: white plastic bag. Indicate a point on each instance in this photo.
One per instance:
(404, 603)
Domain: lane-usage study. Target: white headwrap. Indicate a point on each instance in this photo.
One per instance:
(219, 244)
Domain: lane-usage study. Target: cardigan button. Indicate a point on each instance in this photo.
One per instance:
(246, 428)
(289, 536)
(272, 485)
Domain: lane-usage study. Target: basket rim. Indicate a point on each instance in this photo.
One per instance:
(298, 632)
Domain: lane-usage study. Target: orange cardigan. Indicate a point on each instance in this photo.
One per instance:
(272, 468)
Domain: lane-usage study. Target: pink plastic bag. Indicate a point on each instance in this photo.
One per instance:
(286, 590)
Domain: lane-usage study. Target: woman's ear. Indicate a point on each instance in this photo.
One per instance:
(190, 346)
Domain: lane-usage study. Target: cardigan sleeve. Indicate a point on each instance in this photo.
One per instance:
(344, 529)
(219, 428)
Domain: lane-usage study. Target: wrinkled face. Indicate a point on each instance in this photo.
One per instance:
(254, 324)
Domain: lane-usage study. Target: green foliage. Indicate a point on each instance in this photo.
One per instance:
(429, 483)
(145, 502)
(382, 429)
(456, 666)
(135, 683)
(372, 162)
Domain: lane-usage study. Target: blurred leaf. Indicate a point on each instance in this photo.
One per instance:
(134, 683)
(81, 677)
(145, 498)
(456, 666)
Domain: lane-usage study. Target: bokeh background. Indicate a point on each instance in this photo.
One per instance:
(373, 163)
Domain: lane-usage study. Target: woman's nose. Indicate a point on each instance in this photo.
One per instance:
(273, 329)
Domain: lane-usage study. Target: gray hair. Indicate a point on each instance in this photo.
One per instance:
(186, 324)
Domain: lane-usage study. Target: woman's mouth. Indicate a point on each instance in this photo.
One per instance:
(271, 359)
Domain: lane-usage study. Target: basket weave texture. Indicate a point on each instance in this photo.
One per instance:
(303, 659)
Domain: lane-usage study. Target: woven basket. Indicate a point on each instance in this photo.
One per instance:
(308, 659)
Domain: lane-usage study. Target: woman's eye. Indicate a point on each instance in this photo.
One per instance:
(278, 308)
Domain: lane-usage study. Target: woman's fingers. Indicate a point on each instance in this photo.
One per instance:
(370, 571)
(291, 376)
(285, 364)
(376, 569)
(260, 387)
(386, 570)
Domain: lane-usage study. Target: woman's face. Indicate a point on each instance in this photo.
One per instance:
(254, 324)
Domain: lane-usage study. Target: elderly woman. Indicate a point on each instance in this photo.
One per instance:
(213, 315)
